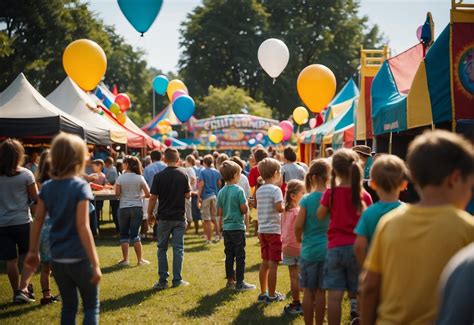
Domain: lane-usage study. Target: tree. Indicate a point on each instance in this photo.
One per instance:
(329, 32)
(232, 100)
(220, 41)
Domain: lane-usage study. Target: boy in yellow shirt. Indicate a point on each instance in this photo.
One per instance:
(413, 243)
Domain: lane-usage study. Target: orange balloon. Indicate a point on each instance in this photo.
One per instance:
(316, 86)
(122, 118)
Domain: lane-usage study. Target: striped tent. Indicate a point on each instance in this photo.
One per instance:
(166, 113)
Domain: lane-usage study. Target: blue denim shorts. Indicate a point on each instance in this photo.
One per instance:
(341, 271)
(311, 274)
(130, 221)
(290, 260)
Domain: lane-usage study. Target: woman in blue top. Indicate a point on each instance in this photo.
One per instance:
(312, 233)
(74, 258)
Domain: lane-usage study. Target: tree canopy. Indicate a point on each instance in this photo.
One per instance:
(221, 38)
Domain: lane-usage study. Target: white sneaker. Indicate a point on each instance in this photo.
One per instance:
(123, 263)
(144, 262)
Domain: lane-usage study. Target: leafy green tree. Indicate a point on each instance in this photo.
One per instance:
(231, 100)
(220, 41)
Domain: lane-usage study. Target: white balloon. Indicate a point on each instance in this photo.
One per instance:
(273, 56)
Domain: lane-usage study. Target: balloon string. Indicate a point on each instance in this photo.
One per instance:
(141, 35)
(274, 80)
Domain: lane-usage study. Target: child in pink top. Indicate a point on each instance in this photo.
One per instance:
(344, 201)
(290, 247)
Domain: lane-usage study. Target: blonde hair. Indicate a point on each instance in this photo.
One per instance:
(320, 169)
(68, 155)
(388, 172)
(268, 167)
(293, 187)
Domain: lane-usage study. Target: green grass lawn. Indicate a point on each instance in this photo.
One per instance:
(126, 294)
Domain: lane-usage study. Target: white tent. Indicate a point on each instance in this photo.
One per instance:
(24, 112)
(73, 100)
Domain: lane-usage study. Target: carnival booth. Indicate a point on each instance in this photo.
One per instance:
(232, 132)
(25, 113)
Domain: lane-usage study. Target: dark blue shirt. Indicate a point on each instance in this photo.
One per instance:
(61, 198)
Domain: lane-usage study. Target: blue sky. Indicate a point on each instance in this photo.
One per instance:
(398, 21)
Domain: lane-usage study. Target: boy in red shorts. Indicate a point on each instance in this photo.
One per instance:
(270, 205)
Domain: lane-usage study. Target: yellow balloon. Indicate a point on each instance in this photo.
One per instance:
(212, 138)
(300, 115)
(122, 118)
(316, 86)
(174, 85)
(85, 62)
(275, 133)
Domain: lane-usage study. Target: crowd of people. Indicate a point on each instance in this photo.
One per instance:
(342, 225)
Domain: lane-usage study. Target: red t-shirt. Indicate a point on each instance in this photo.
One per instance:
(344, 215)
(253, 176)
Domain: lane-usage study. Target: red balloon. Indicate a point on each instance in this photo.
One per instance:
(123, 101)
(168, 142)
(319, 120)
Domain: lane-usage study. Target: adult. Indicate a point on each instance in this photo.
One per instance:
(32, 164)
(149, 173)
(290, 169)
(195, 211)
(365, 156)
(18, 191)
(111, 176)
(129, 187)
(189, 164)
(457, 282)
(171, 188)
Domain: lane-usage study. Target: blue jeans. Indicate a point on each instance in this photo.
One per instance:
(176, 229)
(130, 221)
(70, 278)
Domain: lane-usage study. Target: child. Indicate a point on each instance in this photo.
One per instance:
(313, 243)
(413, 243)
(345, 201)
(98, 177)
(232, 207)
(209, 184)
(44, 168)
(290, 246)
(388, 178)
(74, 259)
(270, 205)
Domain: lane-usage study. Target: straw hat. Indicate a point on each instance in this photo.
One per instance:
(363, 150)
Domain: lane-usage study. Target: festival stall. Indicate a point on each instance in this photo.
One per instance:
(25, 113)
(73, 100)
(232, 132)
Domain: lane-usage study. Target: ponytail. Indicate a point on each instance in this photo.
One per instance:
(356, 185)
(333, 187)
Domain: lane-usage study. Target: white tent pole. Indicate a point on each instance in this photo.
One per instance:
(390, 144)
(153, 91)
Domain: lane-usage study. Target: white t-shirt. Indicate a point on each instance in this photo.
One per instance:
(192, 175)
(131, 188)
(14, 207)
(269, 220)
(244, 183)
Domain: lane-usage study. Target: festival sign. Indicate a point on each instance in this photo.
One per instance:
(232, 131)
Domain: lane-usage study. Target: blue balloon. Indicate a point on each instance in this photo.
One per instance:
(140, 13)
(183, 108)
(160, 84)
(252, 142)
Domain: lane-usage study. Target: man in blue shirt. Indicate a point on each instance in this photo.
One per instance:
(149, 173)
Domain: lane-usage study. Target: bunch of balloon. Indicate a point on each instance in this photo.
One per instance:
(120, 106)
(183, 105)
(273, 56)
(316, 86)
(85, 63)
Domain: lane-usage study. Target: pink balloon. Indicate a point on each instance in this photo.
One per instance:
(259, 136)
(287, 127)
(312, 123)
(177, 94)
(418, 32)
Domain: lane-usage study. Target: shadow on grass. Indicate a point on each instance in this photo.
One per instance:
(255, 314)
(209, 303)
(111, 268)
(131, 299)
(253, 268)
(20, 311)
(195, 249)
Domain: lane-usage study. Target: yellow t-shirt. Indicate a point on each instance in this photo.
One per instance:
(412, 245)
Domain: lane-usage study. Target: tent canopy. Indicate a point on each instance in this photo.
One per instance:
(166, 113)
(73, 100)
(24, 112)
